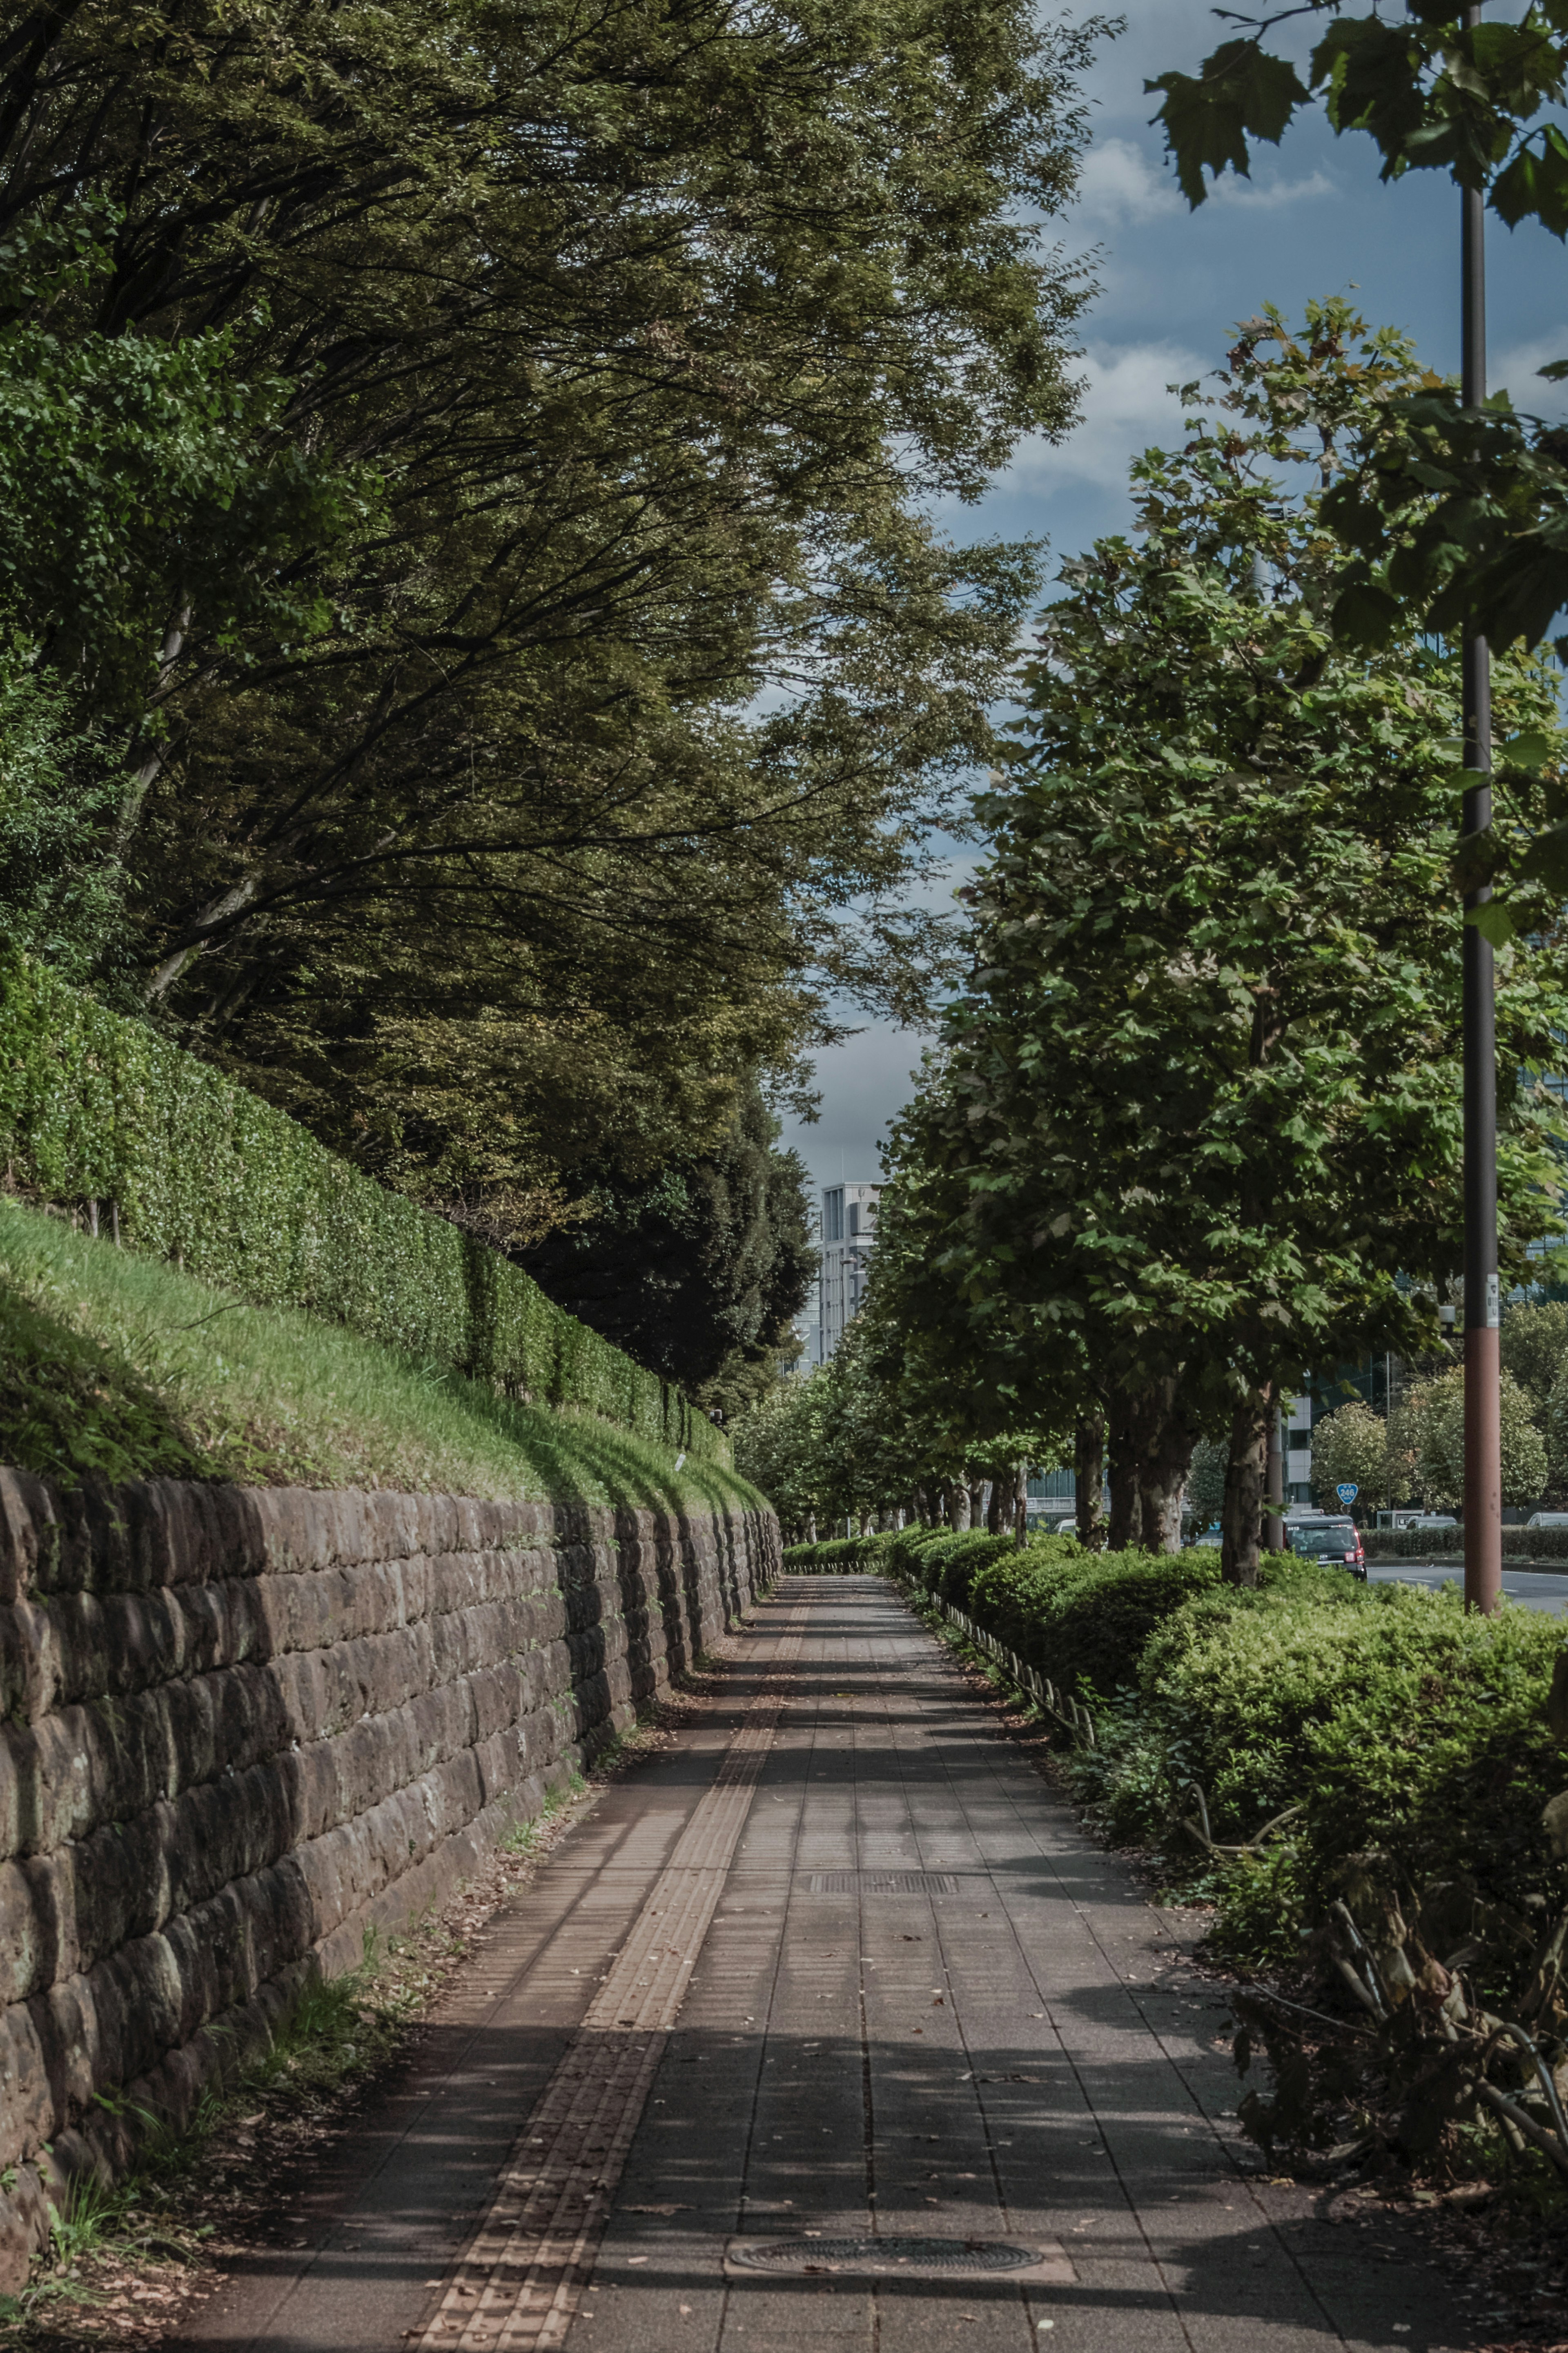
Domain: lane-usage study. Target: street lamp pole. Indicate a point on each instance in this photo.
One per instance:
(1483, 1435)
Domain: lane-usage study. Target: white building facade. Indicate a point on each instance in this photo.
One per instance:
(848, 1232)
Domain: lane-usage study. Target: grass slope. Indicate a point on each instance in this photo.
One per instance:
(123, 1366)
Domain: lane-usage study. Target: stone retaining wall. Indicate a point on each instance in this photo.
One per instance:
(242, 1725)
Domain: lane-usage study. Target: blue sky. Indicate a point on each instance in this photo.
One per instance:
(1314, 221)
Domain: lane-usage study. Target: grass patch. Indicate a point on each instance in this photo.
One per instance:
(124, 1366)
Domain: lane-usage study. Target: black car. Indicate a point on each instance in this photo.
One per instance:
(1334, 1541)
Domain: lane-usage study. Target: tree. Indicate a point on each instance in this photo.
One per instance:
(137, 476)
(651, 333)
(1200, 1103)
(1535, 1347)
(778, 1445)
(983, 1403)
(1457, 517)
(1205, 1480)
(699, 1272)
(1349, 1447)
(1436, 1412)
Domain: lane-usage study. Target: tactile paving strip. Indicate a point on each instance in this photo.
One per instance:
(519, 2282)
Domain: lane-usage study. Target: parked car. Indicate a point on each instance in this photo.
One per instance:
(1211, 1537)
(1547, 1519)
(1336, 1541)
(1430, 1520)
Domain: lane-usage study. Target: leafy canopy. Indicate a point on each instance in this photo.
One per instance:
(570, 386)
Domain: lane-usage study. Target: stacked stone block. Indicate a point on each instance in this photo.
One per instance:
(241, 1727)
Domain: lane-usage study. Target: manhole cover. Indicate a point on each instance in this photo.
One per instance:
(925, 2255)
(881, 1883)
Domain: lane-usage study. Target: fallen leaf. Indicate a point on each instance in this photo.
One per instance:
(637, 2259)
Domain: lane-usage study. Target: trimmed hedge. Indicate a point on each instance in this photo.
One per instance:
(94, 1108)
(837, 1555)
(1448, 1544)
(1394, 1720)
(1081, 1618)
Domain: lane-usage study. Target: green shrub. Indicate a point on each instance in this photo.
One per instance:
(1392, 1718)
(95, 1109)
(1083, 1618)
(944, 1561)
(1448, 1544)
(838, 1554)
(1398, 1721)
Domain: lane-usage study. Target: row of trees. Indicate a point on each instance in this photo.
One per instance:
(1193, 1130)
(472, 657)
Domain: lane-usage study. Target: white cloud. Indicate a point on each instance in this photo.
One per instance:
(1270, 195)
(1126, 406)
(1514, 371)
(1123, 182)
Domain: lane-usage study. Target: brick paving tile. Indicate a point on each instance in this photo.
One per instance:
(837, 1968)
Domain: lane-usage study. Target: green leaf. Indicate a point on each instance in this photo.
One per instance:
(1536, 187)
(1546, 860)
(1529, 750)
(1493, 922)
(1241, 90)
(1364, 614)
(1374, 75)
(1477, 858)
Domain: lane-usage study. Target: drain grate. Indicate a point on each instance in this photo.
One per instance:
(881, 1883)
(883, 2257)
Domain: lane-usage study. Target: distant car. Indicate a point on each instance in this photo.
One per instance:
(1547, 1519)
(1430, 1520)
(1212, 1538)
(1334, 1541)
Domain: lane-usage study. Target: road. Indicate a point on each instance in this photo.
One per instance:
(1543, 1589)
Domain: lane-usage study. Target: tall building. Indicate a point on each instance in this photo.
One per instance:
(848, 1230)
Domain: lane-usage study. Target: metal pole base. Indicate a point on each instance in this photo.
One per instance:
(1483, 1469)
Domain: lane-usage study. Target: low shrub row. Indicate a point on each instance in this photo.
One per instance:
(837, 1555)
(1395, 1723)
(185, 1166)
(1448, 1544)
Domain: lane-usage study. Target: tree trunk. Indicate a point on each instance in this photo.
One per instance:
(1021, 1506)
(1244, 1482)
(977, 1504)
(1274, 1479)
(957, 1504)
(1089, 1479)
(1164, 1458)
(1126, 1502)
(994, 1508)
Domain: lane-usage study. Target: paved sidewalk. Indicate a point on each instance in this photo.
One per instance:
(838, 1964)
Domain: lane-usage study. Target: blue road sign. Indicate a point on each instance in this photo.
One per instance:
(1346, 1492)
